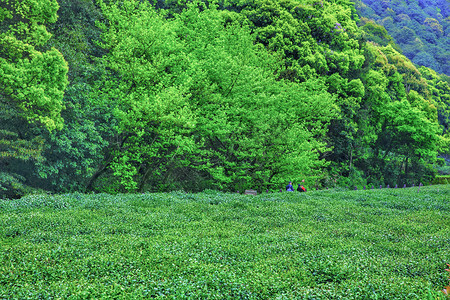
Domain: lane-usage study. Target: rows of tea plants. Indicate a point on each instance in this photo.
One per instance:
(373, 244)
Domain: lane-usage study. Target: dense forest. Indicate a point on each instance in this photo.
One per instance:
(420, 27)
(136, 96)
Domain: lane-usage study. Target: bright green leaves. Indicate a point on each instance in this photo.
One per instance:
(376, 33)
(439, 92)
(194, 95)
(148, 86)
(32, 81)
(259, 131)
(36, 86)
(316, 39)
(27, 19)
(229, 94)
(400, 116)
(313, 38)
(411, 132)
(148, 61)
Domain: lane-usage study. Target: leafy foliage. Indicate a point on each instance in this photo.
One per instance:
(230, 95)
(194, 95)
(32, 81)
(75, 155)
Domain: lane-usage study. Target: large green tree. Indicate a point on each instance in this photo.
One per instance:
(406, 133)
(439, 91)
(197, 104)
(316, 40)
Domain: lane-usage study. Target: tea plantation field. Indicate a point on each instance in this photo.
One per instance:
(374, 244)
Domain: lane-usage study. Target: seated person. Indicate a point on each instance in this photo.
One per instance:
(301, 188)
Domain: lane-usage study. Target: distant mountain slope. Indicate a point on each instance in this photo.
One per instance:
(420, 27)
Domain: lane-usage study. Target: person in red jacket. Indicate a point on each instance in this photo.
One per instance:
(301, 188)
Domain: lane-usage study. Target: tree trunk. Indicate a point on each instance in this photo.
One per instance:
(406, 170)
(351, 159)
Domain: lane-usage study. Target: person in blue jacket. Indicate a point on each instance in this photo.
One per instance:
(289, 187)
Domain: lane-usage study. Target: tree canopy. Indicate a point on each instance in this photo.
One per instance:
(230, 95)
(420, 28)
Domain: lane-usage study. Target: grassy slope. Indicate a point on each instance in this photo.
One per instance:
(375, 244)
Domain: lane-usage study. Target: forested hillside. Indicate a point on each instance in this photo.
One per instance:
(230, 95)
(420, 27)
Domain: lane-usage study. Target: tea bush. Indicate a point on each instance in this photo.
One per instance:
(373, 244)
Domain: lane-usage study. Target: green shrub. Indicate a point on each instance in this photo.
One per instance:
(442, 179)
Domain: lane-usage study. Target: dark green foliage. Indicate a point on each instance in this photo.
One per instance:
(444, 179)
(20, 148)
(439, 90)
(74, 154)
(17, 157)
(374, 244)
